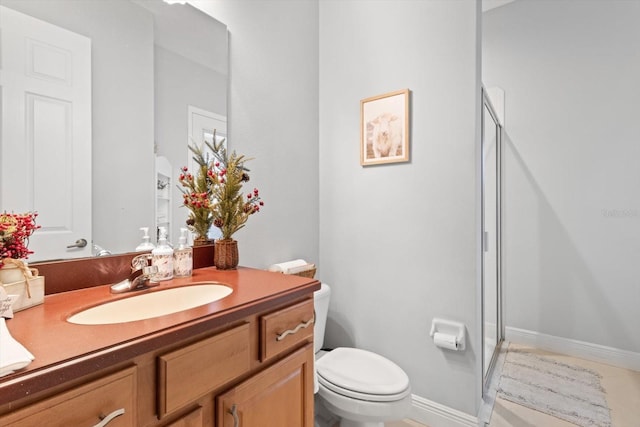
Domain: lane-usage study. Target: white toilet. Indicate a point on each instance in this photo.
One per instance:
(363, 388)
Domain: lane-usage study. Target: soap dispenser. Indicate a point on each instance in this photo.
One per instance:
(183, 257)
(146, 244)
(162, 257)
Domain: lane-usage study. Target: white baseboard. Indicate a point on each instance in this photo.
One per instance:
(584, 350)
(437, 415)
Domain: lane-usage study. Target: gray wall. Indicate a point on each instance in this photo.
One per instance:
(397, 248)
(273, 117)
(398, 243)
(572, 213)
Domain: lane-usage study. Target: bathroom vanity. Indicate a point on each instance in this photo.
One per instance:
(245, 360)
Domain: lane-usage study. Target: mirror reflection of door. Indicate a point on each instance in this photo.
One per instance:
(46, 132)
(490, 235)
(202, 125)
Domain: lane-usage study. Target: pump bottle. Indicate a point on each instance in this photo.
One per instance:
(162, 257)
(146, 244)
(183, 257)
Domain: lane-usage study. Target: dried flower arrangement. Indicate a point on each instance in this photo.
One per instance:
(15, 230)
(214, 194)
(231, 209)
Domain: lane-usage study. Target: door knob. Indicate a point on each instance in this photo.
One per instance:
(80, 243)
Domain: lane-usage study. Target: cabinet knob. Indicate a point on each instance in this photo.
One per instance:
(107, 419)
(234, 413)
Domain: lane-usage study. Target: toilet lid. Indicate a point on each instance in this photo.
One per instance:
(362, 375)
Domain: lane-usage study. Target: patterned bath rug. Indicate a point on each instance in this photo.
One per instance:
(568, 392)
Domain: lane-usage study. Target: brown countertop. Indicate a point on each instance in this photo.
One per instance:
(64, 351)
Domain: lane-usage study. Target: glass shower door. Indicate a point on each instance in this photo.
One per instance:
(491, 298)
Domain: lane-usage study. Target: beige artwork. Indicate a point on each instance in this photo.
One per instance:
(385, 130)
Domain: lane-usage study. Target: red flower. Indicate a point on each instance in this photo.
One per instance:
(15, 230)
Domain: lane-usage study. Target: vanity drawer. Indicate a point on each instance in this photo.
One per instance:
(191, 372)
(86, 405)
(286, 328)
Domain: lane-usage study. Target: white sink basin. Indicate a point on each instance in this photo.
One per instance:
(152, 304)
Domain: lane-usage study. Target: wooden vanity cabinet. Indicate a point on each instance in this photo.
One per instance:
(256, 371)
(271, 356)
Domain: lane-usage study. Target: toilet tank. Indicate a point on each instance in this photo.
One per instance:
(321, 306)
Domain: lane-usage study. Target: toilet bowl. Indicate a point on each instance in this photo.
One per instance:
(363, 388)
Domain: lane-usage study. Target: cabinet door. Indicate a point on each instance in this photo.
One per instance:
(281, 395)
(85, 406)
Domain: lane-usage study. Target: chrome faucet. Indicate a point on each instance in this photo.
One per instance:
(140, 278)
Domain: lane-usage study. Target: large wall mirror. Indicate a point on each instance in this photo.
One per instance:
(153, 71)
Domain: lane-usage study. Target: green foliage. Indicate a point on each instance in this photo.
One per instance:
(230, 208)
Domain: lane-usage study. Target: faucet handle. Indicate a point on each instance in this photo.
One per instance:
(140, 261)
(149, 270)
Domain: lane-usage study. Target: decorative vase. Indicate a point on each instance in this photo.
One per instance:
(201, 241)
(225, 255)
(13, 271)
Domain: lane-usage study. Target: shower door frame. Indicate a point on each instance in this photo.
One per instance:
(488, 106)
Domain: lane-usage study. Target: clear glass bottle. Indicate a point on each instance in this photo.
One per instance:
(183, 257)
(162, 257)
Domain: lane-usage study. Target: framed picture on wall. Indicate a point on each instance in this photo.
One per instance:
(384, 128)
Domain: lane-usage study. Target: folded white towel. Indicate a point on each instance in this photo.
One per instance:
(284, 267)
(300, 268)
(13, 355)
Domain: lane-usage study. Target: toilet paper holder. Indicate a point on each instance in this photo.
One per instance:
(450, 330)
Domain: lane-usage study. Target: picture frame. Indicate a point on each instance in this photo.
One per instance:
(384, 128)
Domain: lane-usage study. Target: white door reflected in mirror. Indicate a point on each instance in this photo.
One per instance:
(46, 131)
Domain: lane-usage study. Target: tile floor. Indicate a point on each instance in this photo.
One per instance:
(623, 395)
